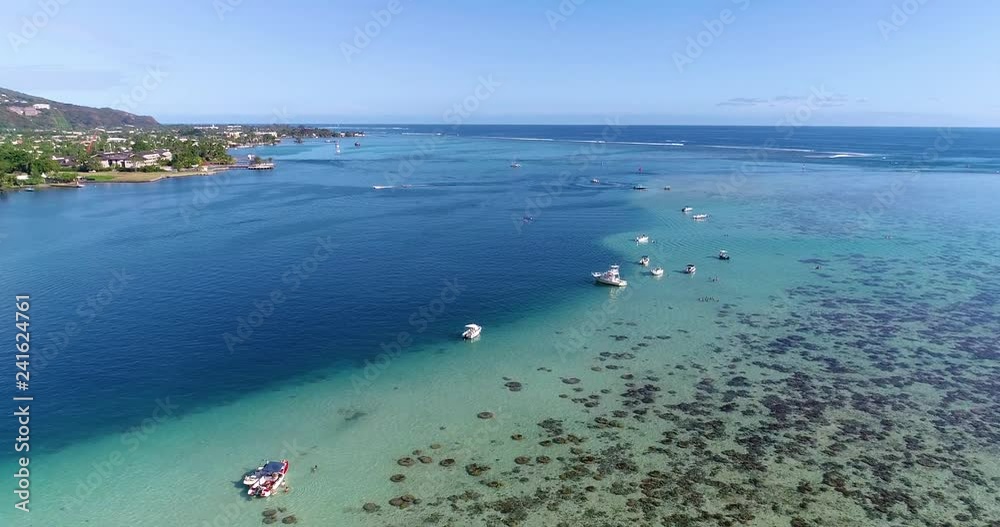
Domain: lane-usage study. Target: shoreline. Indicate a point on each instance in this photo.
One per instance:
(129, 177)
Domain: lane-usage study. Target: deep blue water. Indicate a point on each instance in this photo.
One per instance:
(202, 251)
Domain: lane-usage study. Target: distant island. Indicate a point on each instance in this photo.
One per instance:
(46, 143)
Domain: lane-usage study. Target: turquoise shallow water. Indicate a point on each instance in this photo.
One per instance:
(839, 370)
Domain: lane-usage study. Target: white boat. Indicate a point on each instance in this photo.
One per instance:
(472, 331)
(382, 187)
(268, 467)
(29, 189)
(657, 271)
(642, 238)
(690, 269)
(687, 209)
(644, 261)
(639, 187)
(515, 164)
(610, 277)
(595, 181)
(271, 476)
(723, 255)
(699, 217)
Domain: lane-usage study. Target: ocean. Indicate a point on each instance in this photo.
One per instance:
(840, 369)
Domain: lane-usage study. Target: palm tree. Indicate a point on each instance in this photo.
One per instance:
(135, 158)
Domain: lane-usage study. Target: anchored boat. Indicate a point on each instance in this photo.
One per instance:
(264, 481)
(472, 331)
(610, 277)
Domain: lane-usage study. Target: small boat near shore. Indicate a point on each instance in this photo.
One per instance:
(687, 209)
(639, 187)
(690, 269)
(723, 255)
(610, 277)
(699, 217)
(642, 238)
(595, 181)
(472, 331)
(657, 271)
(644, 261)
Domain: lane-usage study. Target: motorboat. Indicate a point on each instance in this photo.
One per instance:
(472, 331)
(642, 238)
(610, 277)
(666, 187)
(595, 181)
(657, 271)
(699, 217)
(644, 261)
(270, 479)
(639, 187)
(382, 187)
(515, 164)
(690, 269)
(687, 209)
(269, 467)
(723, 255)
(357, 144)
(29, 189)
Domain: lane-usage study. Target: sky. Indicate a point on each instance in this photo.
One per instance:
(762, 62)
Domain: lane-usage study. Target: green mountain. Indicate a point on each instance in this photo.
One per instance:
(16, 111)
